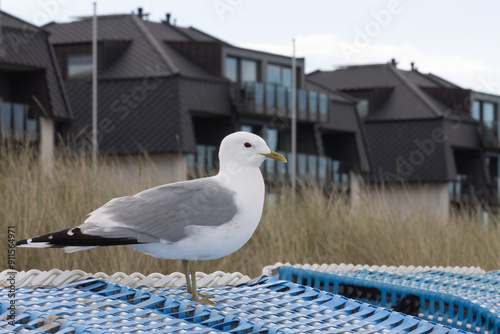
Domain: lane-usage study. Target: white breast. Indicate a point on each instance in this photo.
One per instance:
(208, 243)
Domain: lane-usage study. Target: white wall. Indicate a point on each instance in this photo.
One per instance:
(428, 199)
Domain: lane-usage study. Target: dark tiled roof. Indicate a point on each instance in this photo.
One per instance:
(405, 101)
(407, 106)
(132, 125)
(7, 20)
(147, 47)
(155, 121)
(27, 46)
(427, 80)
(398, 156)
(408, 98)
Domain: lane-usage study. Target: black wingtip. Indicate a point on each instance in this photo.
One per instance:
(22, 242)
(75, 237)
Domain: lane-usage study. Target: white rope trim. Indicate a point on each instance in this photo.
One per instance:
(348, 268)
(56, 277)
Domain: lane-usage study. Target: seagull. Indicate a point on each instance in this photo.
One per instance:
(200, 219)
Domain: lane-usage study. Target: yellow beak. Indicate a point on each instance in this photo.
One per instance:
(275, 156)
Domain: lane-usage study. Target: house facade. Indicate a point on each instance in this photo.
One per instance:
(175, 92)
(432, 142)
(33, 104)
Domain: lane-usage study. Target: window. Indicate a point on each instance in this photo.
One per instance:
(279, 75)
(271, 138)
(273, 74)
(248, 70)
(79, 66)
(363, 108)
(286, 76)
(487, 113)
(476, 110)
(231, 69)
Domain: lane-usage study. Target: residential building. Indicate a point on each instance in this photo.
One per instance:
(424, 134)
(175, 92)
(33, 104)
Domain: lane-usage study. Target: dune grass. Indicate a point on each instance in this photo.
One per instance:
(313, 228)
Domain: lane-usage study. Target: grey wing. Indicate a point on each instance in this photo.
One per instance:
(164, 212)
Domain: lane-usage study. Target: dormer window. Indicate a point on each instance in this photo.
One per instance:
(248, 70)
(363, 108)
(280, 75)
(241, 70)
(231, 69)
(79, 66)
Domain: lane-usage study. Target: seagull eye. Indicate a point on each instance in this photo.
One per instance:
(247, 145)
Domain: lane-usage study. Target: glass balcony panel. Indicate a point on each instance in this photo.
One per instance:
(280, 97)
(200, 156)
(19, 115)
(31, 125)
(302, 103)
(32, 129)
(344, 178)
(259, 93)
(249, 89)
(289, 99)
(313, 104)
(191, 160)
(489, 130)
(6, 115)
(302, 165)
(312, 166)
(335, 171)
(323, 105)
(322, 168)
(270, 95)
(211, 154)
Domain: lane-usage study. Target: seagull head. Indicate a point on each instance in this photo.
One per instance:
(246, 149)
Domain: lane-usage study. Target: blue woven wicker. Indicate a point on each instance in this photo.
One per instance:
(469, 302)
(265, 306)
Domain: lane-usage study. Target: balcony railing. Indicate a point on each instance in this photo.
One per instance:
(276, 100)
(310, 168)
(491, 132)
(462, 189)
(18, 122)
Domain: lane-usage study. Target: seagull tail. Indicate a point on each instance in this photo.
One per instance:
(73, 240)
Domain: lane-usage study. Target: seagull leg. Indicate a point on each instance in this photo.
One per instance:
(194, 295)
(185, 264)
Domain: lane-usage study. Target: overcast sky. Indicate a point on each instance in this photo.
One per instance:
(457, 40)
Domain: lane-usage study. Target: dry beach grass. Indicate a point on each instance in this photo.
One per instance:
(313, 229)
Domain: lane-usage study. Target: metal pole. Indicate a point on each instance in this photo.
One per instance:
(95, 144)
(294, 120)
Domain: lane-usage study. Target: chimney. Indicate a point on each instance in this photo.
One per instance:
(168, 18)
(139, 12)
(413, 68)
(393, 62)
